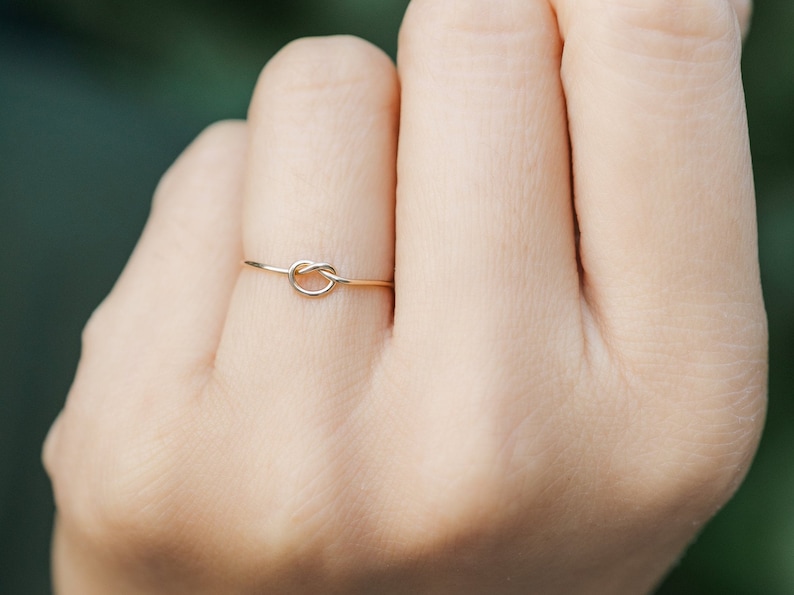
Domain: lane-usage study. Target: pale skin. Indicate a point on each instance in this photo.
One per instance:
(533, 409)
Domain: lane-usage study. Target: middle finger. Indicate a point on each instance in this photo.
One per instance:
(485, 232)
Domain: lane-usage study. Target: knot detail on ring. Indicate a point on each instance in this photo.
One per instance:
(307, 267)
(325, 270)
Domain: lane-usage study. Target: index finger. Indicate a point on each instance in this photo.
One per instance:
(663, 179)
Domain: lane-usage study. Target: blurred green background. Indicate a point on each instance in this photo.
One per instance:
(97, 97)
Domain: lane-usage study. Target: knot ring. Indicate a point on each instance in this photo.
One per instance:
(308, 267)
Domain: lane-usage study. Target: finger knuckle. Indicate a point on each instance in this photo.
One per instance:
(465, 33)
(97, 329)
(473, 16)
(325, 66)
(124, 505)
(49, 449)
(103, 338)
(693, 461)
(675, 22)
(209, 153)
(115, 472)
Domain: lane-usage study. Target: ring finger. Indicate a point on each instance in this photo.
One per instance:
(320, 187)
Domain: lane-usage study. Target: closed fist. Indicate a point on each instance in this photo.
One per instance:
(566, 382)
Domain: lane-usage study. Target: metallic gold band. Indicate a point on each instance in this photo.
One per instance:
(307, 267)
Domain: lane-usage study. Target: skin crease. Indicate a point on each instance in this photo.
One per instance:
(527, 412)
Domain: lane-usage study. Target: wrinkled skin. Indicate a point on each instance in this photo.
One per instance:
(567, 381)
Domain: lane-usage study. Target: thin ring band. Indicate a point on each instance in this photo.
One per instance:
(307, 267)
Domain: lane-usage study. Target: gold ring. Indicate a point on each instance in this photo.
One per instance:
(307, 267)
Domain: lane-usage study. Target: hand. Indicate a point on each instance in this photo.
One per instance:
(566, 383)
